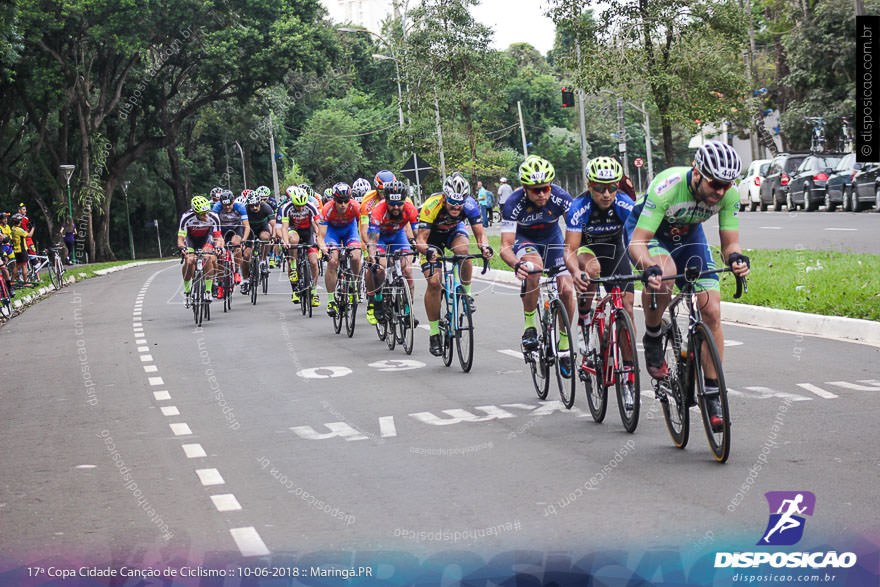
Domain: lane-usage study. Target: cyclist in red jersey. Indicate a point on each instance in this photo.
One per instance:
(338, 228)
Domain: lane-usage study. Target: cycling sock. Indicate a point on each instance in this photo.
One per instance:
(377, 297)
(331, 297)
(711, 385)
(530, 319)
(434, 327)
(652, 331)
(467, 288)
(187, 286)
(209, 284)
(563, 341)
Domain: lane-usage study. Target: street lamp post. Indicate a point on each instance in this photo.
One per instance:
(68, 173)
(125, 185)
(647, 126)
(399, 90)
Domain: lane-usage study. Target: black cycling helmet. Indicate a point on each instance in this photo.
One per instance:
(395, 191)
(342, 192)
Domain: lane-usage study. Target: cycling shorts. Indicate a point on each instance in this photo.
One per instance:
(305, 238)
(443, 240)
(205, 244)
(693, 252)
(231, 231)
(396, 241)
(613, 260)
(551, 249)
(342, 235)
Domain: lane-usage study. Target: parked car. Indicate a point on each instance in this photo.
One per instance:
(750, 187)
(865, 188)
(774, 188)
(806, 188)
(840, 181)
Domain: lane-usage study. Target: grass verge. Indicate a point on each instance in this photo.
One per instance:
(816, 282)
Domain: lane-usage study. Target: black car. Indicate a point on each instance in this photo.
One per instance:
(806, 188)
(840, 181)
(774, 188)
(865, 188)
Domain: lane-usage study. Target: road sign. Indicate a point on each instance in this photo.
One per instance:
(638, 162)
(415, 169)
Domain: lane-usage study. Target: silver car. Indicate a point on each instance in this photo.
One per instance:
(750, 186)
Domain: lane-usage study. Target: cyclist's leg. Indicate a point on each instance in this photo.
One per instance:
(589, 264)
(654, 360)
(555, 258)
(332, 267)
(529, 252)
(459, 244)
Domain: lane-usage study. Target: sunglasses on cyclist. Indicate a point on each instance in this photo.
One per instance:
(539, 190)
(341, 200)
(395, 204)
(602, 188)
(716, 184)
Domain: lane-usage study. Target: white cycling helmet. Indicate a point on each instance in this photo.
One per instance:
(717, 160)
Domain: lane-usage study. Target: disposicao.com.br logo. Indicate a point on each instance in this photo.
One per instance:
(785, 528)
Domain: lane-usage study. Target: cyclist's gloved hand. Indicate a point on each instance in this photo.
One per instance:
(487, 251)
(431, 253)
(734, 258)
(652, 271)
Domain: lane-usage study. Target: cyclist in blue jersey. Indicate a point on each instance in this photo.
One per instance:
(234, 225)
(531, 239)
(262, 223)
(666, 235)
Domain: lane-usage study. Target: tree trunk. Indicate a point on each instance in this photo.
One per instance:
(177, 181)
(105, 252)
(472, 141)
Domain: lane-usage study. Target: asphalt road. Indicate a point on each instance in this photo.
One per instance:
(132, 437)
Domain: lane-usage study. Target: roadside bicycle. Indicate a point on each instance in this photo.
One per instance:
(51, 261)
(552, 319)
(346, 292)
(456, 323)
(845, 142)
(817, 136)
(687, 367)
(396, 305)
(610, 358)
(5, 298)
(200, 306)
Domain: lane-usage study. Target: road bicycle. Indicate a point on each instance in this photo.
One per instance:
(302, 284)
(396, 306)
(51, 261)
(259, 267)
(817, 136)
(845, 142)
(610, 357)
(226, 276)
(552, 319)
(346, 293)
(687, 367)
(456, 323)
(5, 298)
(200, 306)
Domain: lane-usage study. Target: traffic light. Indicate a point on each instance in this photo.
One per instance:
(567, 97)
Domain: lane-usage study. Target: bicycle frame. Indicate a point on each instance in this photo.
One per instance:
(604, 318)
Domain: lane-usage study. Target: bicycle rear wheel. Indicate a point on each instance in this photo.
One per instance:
(390, 318)
(718, 437)
(198, 299)
(253, 278)
(592, 371)
(626, 377)
(264, 281)
(56, 272)
(5, 300)
(559, 328)
(672, 390)
(464, 332)
(341, 305)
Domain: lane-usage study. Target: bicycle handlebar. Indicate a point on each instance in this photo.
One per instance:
(459, 259)
(692, 274)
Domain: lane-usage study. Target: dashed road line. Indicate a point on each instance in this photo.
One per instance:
(180, 429)
(226, 502)
(160, 396)
(169, 411)
(210, 477)
(817, 390)
(194, 451)
(248, 541)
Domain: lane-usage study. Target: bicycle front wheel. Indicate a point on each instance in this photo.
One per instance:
(559, 331)
(390, 318)
(592, 370)
(351, 305)
(538, 364)
(56, 272)
(673, 390)
(253, 278)
(338, 317)
(406, 326)
(464, 332)
(626, 377)
(706, 355)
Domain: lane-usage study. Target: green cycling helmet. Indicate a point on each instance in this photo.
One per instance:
(299, 197)
(604, 170)
(263, 192)
(200, 204)
(535, 170)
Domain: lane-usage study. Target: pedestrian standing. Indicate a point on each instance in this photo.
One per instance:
(504, 191)
(482, 200)
(68, 237)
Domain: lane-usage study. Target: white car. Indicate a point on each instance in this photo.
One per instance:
(750, 186)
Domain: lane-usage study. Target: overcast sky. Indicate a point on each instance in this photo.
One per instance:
(517, 21)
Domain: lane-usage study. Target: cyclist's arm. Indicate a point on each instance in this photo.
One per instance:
(321, 233)
(507, 255)
(247, 228)
(572, 244)
(285, 224)
(422, 238)
(730, 244)
(480, 236)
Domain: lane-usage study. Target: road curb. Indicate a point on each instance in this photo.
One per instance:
(71, 278)
(834, 327)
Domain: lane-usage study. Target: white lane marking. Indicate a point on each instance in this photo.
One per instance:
(156, 381)
(137, 324)
(136, 313)
(248, 541)
(817, 390)
(732, 343)
(143, 349)
(323, 372)
(511, 353)
(194, 451)
(396, 365)
(85, 467)
(180, 429)
(160, 396)
(170, 411)
(387, 429)
(765, 392)
(150, 368)
(337, 429)
(146, 358)
(842, 229)
(210, 477)
(771, 227)
(141, 341)
(855, 386)
(225, 502)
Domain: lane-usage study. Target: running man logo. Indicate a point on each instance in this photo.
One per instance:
(786, 524)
